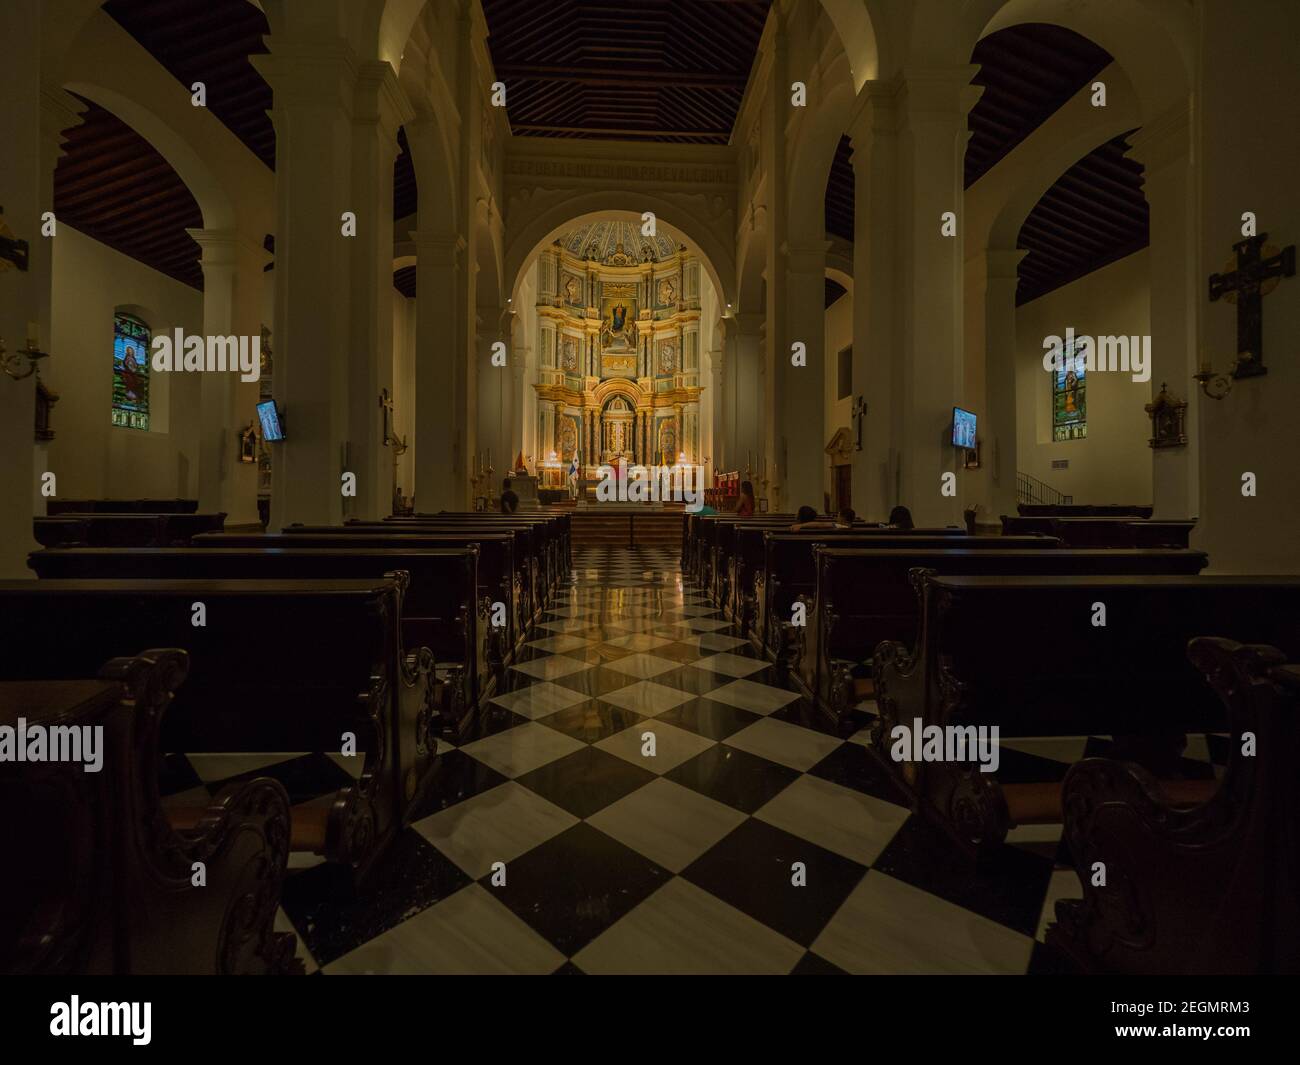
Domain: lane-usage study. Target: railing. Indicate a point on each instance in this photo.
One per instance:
(1032, 490)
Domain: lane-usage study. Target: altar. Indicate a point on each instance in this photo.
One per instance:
(619, 378)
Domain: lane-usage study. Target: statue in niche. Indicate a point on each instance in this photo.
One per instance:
(668, 442)
(568, 439)
(667, 292)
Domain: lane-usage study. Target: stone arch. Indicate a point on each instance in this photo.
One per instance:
(857, 31)
(523, 243)
(750, 284)
(1154, 43)
(813, 149)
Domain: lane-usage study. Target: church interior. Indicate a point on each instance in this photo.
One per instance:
(344, 341)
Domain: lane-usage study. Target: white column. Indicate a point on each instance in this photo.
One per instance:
(20, 298)
(232, 294)
(908, 330)
(803, 402)
(380, 108)
(313, 82)
(997, 431)
(437, 486)
(1164, 148)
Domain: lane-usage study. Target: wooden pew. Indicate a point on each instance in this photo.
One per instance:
(1085, 510)
(121, 506)
(1103, 531)
(97, 878)
(555, 525)
(790, 570)
(866, 596)
(124, 530)
(440, 596)
(500, 576)
(1195, 883)
(537, 548)
(1024, 654)
(287, 666)
(701, 541)
(505, 572)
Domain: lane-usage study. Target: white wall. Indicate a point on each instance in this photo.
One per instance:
(837, 412)
(1250, 153)
(89, 456)
(1113, 463)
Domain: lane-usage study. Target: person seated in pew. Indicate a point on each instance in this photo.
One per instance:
(745, 505)
(846, 516)
(901, 518)
(808, 520)
(509, 500)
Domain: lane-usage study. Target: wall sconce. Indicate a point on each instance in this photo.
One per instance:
(1214, 385)
(12, 362)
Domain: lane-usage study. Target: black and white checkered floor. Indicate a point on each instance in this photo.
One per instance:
(681, 861)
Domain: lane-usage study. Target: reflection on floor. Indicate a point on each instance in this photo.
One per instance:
(681, 861)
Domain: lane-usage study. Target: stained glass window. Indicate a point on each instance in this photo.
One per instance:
(1069, 396)
(131, 339)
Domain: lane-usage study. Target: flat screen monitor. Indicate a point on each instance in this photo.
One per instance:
(963, 429)
(269, 415)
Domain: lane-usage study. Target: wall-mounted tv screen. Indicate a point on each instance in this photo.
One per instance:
(269, 415)
(963, 429)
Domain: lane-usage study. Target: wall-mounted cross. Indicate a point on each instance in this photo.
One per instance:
(859, 409)
(1255, 276)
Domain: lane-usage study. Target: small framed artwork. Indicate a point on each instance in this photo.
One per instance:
(248, 443)
(972, 460)
(762, 506)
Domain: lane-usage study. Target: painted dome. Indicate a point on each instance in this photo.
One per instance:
(607, 242)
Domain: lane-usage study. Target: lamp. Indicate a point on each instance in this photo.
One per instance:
(11, 362)
(1215, 385)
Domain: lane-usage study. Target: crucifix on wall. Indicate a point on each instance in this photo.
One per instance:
(859, 409)
(1257, 271)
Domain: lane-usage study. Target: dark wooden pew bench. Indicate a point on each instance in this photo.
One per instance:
(124, 530)
(121, 506)
(497, 577)
(1195, 883)
(440, 610)
(1023, 653)
(789, 570)
(1101, 531)
(278, 666)
(98, 880)
(866, 596)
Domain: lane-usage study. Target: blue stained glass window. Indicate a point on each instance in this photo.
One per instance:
(131, 339)
(1070, 397)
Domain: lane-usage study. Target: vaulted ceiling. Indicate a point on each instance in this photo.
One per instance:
(656, 70)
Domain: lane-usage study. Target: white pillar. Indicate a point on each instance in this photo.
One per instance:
(802, 399)
(380, 108)
(1164, 148)
(437, 486)
(313, 82)
(20, 298)
(909, 140)
(232, 295)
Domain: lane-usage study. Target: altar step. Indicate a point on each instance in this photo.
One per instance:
(647, 528)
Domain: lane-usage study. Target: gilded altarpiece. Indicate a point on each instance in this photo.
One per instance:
(618, 318)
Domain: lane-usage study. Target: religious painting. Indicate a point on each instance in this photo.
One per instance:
(131, 340)
(618, 317)
(569, 353)
(1069, 396)
(572, 290)
(667, 356)
(667, 292)
(248, 443)
(568, 439)
(668, 441)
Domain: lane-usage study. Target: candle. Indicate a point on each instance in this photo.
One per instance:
(34, 336)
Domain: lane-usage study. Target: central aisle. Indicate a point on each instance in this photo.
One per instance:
(680, 862)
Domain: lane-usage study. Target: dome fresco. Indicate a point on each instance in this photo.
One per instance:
(600, 241)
